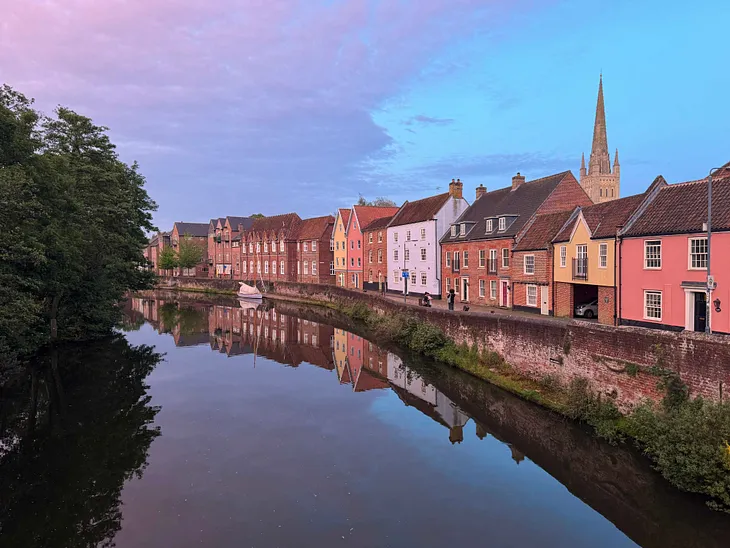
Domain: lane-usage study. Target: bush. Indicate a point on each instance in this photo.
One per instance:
(585, 405)
(427, 339)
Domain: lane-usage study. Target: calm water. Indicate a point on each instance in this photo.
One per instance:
(279, 427)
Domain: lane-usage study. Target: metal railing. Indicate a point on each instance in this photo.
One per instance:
(580, 268)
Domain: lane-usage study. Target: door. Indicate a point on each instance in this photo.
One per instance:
(357, 281)
(700, 322)
(465, 290)
(544, 307)
(505, 295)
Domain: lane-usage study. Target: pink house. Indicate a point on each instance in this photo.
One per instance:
(663, 258)
(361, 216)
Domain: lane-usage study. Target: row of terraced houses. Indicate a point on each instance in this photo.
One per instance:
(545, 246)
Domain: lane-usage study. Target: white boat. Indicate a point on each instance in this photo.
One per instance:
(248, 292)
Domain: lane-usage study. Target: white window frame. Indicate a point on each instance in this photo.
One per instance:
(482, 288)
(424, 278)
(505, 257)
(654, 292)
(453, 230)
(395, 254)
(370, 237)
(380, 256)
(603, 255)
(465, 259)
(266, 247)
(370, 256)
(396, 274)
(490, 225)
(528, 271)
(314, 245)
(380, 237)
(314, 268)
(423, 234)
(652, 243)
(691, 256)
(462, 229)
(423, 254)
(528, 300)
(281, 267)
(493, 290)
(306, 268)
(332, 269)
(408, 235)
(406, 254)
(266, 267)
(563, 256)
(306, 246)
(502, 224)
(273, 267)
(482, 258)
(395, 237)
(281, 245)
(448, 258)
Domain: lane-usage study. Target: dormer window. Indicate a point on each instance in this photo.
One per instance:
(490, 225)
(502, 224)
(462, 229)
(453, 230)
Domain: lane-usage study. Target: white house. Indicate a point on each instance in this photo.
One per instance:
(413, 241)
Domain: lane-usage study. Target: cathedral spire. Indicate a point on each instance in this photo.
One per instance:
(600, 161)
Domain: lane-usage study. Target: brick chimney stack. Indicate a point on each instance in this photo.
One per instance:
(517, 180)
(481, 191)
(456, 189)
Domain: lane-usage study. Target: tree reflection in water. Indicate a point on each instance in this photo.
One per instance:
(73, 429)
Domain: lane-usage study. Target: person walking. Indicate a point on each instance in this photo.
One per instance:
(450, 298)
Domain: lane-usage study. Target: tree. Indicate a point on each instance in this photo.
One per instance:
(377, 202)
(167, 259)
(257, 216)
(189, 253)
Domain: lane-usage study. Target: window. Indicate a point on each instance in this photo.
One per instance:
(502, 224)
(462, 229)
(407, 254)
(370, 257)
(395, 237)
(250, 248)
(408, 235)
(413, 277)
(299, 268)
(370, 276)
(482, 258)
(380, 255)
(602, 255)
(423, 253)
(352, 244)
(380, 237)
(281, 267)
(314, 245)
(563, 256)
(353, 279)
(370, 238)
(448, 284)
(653, 305)
(423, 233)
(698, 253)
(529, 264)
(448, 258)
(332, 269)
(423, 278)
(281, 245)
(306, 246)
(505, 257)
(359, 261)
(395, 276)
(531, 295)
(456, 285)
(266, 267)
(453, 230)
(297, 246)
(652, 254)
(250, 267)
(490, 225)
(493, 261)
(258, 247)
(493, 289)
(273, 267)
(466, 259)
(395, 254)
(258, 267)
(456, 261)
(482, 288)
(306, 267)
(352, 261)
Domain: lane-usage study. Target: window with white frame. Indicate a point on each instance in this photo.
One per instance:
(490, 225)
(493, 260)
(306, 267)
(273, 246)
(266, 247)
(244, 267)
(273, 267)
(653, 305)
(370, 237)
(395, 237)
(299, 268)
(448, 258)
(563, 256)
(395, 254)
(281, 245)
(250, 247)
(332, 245)
(314, 268)
(482, 258)
(258, 247)
(380, 237)
(423, 253)
(332, 269)
(314, 245)
(698, 253)
(602, 255)
(462, 229)
(448, 284)
(370, 257)
(424, 278)
(529, 267)
(266, 267)
(482, 288)
(505, 257)
(531, 295)
(370, 275)
(395, 276)
(408, 235)
(453, 230)
(258, 267)
(423, 233)
(502, 224)
(466, 259)
(493, 289)
(652, 254)
(407, 254)
(380, 255)
(359, 261)
(306, 246)
(359, 244)
(413, 277)
(281, 267)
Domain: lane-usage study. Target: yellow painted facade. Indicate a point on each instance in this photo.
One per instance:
(340, 351)
(340, 238)
(596, 273)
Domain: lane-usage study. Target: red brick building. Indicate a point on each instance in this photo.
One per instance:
(315, 253)
(375, 254)
(270, 250)
(224, 235)
(197, 233)
(532, 259)
(477, 250)
(357, 261)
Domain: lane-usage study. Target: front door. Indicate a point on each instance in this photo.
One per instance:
(465, 290)
(544, 307)
(700, 322)
(505, 295)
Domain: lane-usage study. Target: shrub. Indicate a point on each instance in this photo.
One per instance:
(427, 339)
(550, 382)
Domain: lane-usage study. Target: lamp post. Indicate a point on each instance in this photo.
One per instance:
(710, 280)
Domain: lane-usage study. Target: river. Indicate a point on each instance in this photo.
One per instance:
(215, 423)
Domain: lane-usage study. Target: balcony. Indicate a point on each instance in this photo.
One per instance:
(492, 266)
(580, 268)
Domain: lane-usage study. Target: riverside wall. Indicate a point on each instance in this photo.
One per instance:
(620, 362)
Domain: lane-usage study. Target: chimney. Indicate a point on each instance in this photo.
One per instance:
(481, 191)
(456, 188)
(517, 180)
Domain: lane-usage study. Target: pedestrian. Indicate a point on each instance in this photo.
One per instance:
(450, 298)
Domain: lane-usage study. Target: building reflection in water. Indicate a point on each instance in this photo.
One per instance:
(258, 329)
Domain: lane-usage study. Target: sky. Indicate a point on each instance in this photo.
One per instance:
(233, 107)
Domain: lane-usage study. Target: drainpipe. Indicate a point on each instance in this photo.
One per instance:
(616, 277)
(438, 255)
(708, 323)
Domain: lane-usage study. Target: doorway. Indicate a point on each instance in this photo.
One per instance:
(544, 305)
(357, 281)
(504, 294)
(465, 290)
(700, 311)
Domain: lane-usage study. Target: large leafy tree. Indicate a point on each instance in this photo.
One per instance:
(189, 253)
(377, 202)
(167, 259)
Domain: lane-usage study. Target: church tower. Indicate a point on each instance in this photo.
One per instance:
(600, 182)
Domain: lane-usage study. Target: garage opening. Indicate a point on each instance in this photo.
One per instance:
(585, 298)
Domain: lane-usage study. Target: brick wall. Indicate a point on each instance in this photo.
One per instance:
(567, 195)
(542, 277)
(606, 305)
(375, 266)
(474, 271)
(564, 303)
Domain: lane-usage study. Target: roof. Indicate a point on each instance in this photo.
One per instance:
(420, 210)
(345, 215)
(518, 205)
(540, 233)
(681, 208)
(274, 223)
(366, 380)
(199, 230)
(154, 240)
(245, 222)
(367, 214)
(605, 219)
(377, 224)
(314, 228)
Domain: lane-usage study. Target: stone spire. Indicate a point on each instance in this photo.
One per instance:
(583, 165)
(600, 161)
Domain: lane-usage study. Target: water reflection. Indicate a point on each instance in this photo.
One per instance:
(73, 428)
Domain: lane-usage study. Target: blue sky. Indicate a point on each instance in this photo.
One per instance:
(239, 106)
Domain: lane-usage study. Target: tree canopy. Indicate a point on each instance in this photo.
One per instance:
(73, 220)
(377, 202)
(189, 252)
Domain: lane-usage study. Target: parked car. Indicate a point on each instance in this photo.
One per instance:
(587, 310)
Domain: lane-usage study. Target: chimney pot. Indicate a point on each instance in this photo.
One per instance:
(517, 180)
(481, 191)
(456, 188)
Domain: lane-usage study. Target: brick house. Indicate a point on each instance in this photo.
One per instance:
(413, 236)
(151, 250)
(477, 250)
(197, 233)
(339, 238)
(373, 374)
(225, 236)
(270, 250)
(664, 259)
(375, 254)
(315, 253)
(532, 285)
(215, 250)
(356, 259)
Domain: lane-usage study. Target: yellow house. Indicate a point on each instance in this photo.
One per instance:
(584, 260)
(339, 235)
(340, 354)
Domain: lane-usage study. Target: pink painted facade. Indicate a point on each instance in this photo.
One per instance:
(354, 254)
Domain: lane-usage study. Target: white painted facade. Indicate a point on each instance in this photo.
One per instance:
(420, 253)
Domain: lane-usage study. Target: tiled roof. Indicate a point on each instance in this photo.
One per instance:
(540, 233)
(420, 210)
(245, 222)
(377, 224)
(345, 215)
(368, 381)
(314, 228)
(275, 223)
(682, 208)
(367, 214)
(518, 206)
(154, 240)
(192, 229)
(606, 218)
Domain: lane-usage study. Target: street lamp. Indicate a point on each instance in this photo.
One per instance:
(710, 280)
